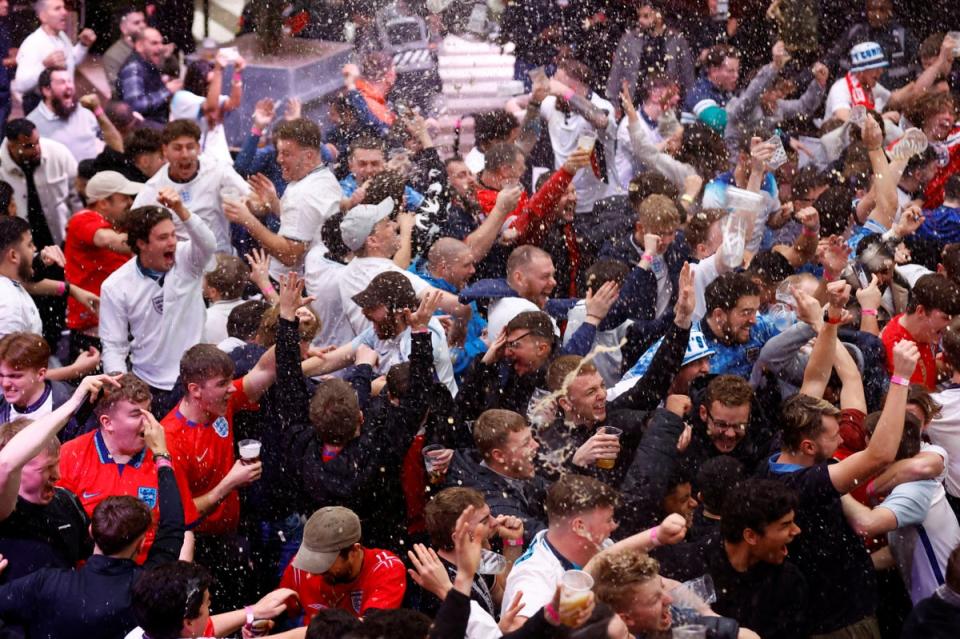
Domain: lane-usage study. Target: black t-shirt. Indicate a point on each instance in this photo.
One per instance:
(829, 553)
(51, 536)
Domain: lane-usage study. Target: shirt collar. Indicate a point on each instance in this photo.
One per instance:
(106, 458)
(777, 467)
(47, 389)
(156, 276)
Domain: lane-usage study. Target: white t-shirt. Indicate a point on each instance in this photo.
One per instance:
(704, 272)
(944, 431)
(475, 160)
(357, 275)
(839, 97)
(505, 309)
(397, 350)
(536, 573)
(322, 281)
(215, 326)
(608, 362)
(201, 196)
(213, 142)
(565, 131)
(627, 164)
(43, 406)
(306, 204)
(18, 312)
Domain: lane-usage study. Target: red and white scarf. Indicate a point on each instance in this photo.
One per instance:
(859, 95)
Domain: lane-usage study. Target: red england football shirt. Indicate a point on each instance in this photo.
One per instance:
(88, 470)
(87, 264)
(926, 371)
(380, 584)
(205, 454)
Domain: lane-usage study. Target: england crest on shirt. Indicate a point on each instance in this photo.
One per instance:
(356, 599)
(158, 303)
(185, 196)
(221, 426)
(147, 495)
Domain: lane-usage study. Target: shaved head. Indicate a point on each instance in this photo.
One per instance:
(452, 260)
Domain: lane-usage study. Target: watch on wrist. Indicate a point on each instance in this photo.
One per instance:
(162, 456)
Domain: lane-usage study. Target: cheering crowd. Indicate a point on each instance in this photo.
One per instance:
(674, 346)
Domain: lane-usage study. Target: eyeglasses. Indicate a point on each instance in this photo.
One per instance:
(737, 427)
(515, 343)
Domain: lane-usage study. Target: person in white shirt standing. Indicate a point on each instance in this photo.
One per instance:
(46, 48)
(580, 521)
(18, 312)
(156, 297)
(59, 118)
(659, 95)
(200, 182)
(312, 196)
(572, 112)
(373, 236)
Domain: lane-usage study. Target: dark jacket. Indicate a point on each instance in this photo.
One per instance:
(363, 476)
(649, 477)
(932, 618)
(644, 289)
(761, 437)
(517, 497)
(769, 599)
(627, 412)
(94, 600)
(53, 535)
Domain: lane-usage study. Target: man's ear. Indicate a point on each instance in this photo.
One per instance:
(703, 413)
(42, 373)
(565, 404)
(808, 447)
(750, 536)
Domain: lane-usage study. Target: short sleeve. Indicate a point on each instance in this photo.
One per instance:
(367, 338)
(389, 583)
(84, 226)
(186, 106)
(239, 400)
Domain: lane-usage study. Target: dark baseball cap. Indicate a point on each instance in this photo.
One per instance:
(392, 289)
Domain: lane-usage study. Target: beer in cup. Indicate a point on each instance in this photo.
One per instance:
(587, 141)
(575, 595)
(430, 464)
(249, 451)
(607, 464)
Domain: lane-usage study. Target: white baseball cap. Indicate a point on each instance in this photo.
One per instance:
(106, 183)
(358, 223)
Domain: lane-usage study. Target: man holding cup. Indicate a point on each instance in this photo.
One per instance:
(579, 119)
(580, 513)
(599, 438)
(200, 432)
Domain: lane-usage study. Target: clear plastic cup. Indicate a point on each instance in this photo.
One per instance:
(587, 141)
(249, 450)
(575, 586)
(695, 631)
(230, 193)
(742, 200)
(858, 115)
(541, 409)
(430, 464)
(956, 38)
(607, 464)
(734, 229)
(779, 157)
(913, 142)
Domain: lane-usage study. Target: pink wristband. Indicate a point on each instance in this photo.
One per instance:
(98, 112)
(900, 381)
(255, 131)
(653, 535)
(809, 232)
(61, 288)
(551, 613)
(164, 463)
(868, 311)
(646, 257)
(569, 94)
(513, 542)
(237, 76)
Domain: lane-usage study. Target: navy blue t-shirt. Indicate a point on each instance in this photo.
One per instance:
(832, 557)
